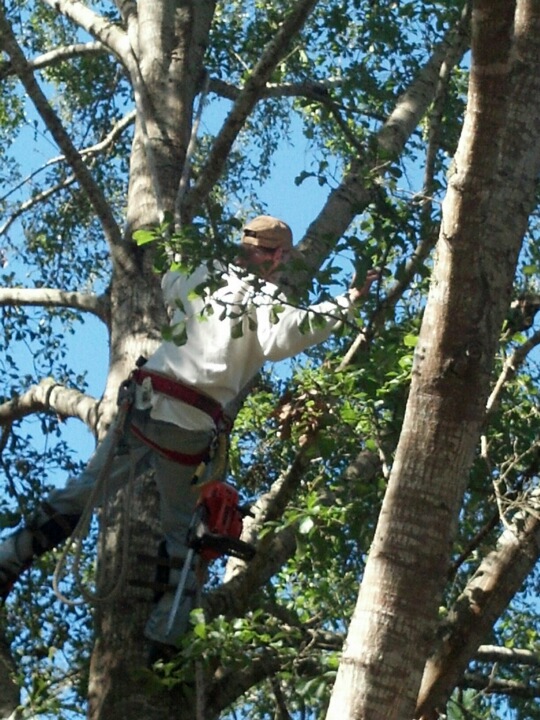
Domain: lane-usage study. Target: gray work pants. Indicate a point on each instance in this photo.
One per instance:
(177, 499)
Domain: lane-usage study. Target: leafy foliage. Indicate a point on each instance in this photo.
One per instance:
(339, 82)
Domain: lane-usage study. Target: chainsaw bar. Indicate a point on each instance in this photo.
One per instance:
(214, 531)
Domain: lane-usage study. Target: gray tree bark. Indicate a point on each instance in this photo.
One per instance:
(490, 195)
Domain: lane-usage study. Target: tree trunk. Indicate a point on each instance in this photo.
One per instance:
(484, 218)
(169, 47)
(118, 650)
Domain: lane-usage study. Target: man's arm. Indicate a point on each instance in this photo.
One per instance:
(290, 330)
(357, 292)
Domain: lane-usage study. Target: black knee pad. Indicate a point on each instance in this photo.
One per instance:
(52, 532)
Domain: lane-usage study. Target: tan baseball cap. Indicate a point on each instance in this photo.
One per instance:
(268, 232)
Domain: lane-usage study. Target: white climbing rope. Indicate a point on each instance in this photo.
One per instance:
(190, 152)
(74, 544)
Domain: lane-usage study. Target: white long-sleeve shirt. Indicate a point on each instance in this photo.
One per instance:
(231, 332)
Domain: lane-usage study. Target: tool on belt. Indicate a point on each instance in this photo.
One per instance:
(214, 530)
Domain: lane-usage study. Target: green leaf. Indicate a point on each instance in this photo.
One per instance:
(305, 324)
(410, 340)
(200, 630)
(275, 312)
(143, 237)
(237, 330)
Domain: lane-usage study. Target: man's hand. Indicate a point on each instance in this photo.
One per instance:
(356, 293)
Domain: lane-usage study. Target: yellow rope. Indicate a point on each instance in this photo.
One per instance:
(218, 462)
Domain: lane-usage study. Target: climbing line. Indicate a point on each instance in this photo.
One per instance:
(190, 152)
(74, 544)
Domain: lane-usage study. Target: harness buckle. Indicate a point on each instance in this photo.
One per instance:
(143, 394)
(126, 392)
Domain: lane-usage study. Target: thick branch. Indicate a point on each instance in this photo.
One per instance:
(265, 663)
(127, 9)
(251, 93)
(229, 686)
(503, 572)
(412, 105)
(57, 130)
(270, 507)
(98, 305)
(512, 656)
(358, 187)
(129, 13)
(497, 579)
(104, 30)
(236, 594)
(50, 395)
(55, 56)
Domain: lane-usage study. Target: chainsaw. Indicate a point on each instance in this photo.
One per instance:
(214, 531)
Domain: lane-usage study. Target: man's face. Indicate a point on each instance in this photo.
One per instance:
(264, 262)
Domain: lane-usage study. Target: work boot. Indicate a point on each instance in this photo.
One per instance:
(44, 532)
(160, 652)
(166, 580)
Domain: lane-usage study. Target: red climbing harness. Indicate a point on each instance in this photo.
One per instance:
(180, 391)
(166, 385)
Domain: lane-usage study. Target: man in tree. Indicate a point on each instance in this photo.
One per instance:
(221, 338)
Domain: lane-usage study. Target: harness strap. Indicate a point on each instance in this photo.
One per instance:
(174, 455)
(173, 388)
